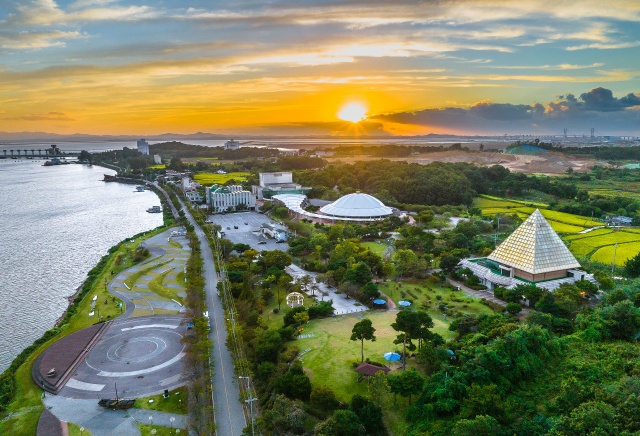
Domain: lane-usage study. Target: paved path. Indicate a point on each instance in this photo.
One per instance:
(104, 422)
(341, 303)
(228, 411)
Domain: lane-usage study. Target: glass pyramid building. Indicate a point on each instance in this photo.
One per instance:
(533, 253)
(536, 250)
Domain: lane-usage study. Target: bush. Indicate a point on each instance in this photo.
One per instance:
(294, 383)
(321, 310)
(289, 316)
(513, 308)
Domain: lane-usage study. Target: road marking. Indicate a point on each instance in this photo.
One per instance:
(142, 371)
(82, 386)
(148, 326)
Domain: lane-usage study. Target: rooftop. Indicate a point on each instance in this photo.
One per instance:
(357, 205)
(534, 247)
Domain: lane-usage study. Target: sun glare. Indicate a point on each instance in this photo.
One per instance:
(353, 112)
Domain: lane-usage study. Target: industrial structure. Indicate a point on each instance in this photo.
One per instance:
(229, 198)
(277, 183)
(532, 254)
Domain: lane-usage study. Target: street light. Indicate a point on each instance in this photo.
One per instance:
(171, 420)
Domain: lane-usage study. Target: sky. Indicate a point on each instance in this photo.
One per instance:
(291, 67)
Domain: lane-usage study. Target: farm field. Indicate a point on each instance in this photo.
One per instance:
(597, 245)
(220, 179)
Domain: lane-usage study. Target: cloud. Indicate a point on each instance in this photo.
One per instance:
(49, 116)
(597, 108)
(37, 39)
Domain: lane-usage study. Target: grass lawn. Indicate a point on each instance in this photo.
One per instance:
(176, 403)
(158, 167)
(133, 278)
(156, 286)
(26, 408)
(220, 179)
(428, 297)
(146, 430)
(332, 354)
(74, 430)
(376, 247)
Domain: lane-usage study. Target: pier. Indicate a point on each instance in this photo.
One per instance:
(37, 153)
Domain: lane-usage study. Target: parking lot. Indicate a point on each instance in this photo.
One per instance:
(248, 229)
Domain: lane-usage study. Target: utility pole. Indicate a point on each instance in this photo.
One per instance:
(613, 264)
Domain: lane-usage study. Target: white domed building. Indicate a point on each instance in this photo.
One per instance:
(357, 206)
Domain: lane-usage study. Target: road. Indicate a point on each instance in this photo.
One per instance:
(228, 411)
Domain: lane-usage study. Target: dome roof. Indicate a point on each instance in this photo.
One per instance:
(357, 206)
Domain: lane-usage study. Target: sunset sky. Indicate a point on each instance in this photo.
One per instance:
(290, 67)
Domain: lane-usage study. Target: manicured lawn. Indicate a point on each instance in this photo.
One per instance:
(146, 430)
(376, 247)
(176, 403)
(156, 286)
(74, 430)
(220, 179)
(427, 297)
(332, 354)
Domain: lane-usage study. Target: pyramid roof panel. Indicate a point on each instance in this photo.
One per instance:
(534, 247)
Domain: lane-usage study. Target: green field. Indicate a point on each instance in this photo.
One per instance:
(376, 247)
(599, 245)
(220, 179)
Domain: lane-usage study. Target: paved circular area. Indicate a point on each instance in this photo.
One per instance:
(142, 356)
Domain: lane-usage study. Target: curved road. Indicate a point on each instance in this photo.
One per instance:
(228, 411)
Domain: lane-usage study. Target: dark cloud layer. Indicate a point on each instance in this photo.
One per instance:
(597, 109)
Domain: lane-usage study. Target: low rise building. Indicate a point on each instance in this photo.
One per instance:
(275, 184)
(229, 198)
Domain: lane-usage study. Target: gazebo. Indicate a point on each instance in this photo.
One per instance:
(368, 370)
(295, 299)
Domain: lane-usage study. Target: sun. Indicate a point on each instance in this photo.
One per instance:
(353, 112)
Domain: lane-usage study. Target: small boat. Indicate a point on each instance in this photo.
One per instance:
(111, 403)
(117, 403)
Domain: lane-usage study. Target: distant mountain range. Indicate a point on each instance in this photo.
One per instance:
(6, 137)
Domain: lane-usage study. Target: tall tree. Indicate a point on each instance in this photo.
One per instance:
(361, 331)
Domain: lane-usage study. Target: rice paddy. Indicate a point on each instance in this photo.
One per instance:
(220, 179)
(597, 245)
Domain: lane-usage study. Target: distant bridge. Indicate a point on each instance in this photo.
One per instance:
(47, 153)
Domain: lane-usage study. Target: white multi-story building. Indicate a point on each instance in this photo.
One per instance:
(157, 159)
(143, 146)
(232, 145)
(227, 198)
(277, 183)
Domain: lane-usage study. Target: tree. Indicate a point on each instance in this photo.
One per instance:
(324, 399)
(407, 383)
(449, 264)
(301, 318)
(363, 330)
(407, 263)
(276, 258)
(482, 400)
(481, 425)
(531, 293)
(341, 423)
(632, 266)
(369, 413)
(294, 383)
(290, 316)
(267, 346)
(360, 273)
(592, 418)
(513, 308)
(283, 418)
(85, 156)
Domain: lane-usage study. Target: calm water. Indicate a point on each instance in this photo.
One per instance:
(57, 222)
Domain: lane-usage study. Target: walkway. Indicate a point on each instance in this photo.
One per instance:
(341, 303)
(105, 422)
(228, 411)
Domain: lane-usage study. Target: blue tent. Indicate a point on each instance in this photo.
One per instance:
(404, 303)
(379, 301)
(392, 357)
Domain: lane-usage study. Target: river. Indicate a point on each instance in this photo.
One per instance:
(57, 222)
